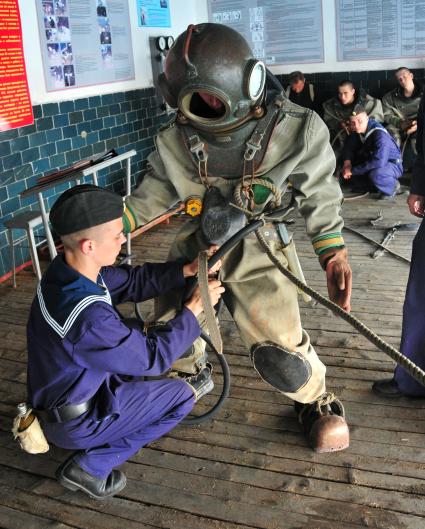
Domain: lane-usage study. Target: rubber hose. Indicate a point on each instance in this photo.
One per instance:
(192, 421)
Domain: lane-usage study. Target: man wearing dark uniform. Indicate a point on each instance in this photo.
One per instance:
(301, 92)
(413, 334)
(372, 159)
(86, 364)
(222, 139)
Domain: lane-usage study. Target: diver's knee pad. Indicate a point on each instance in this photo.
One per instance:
(287, 371)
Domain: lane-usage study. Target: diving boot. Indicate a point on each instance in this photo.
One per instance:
(324, 423)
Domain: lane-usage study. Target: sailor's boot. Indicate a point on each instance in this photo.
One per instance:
(324, 423)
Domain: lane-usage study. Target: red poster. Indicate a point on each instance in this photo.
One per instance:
(15, 102)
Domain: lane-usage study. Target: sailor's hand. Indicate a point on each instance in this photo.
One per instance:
(416, 204)
(346, 173)
(412, 128)
(339, 279)
(215, 289)
(191, 269)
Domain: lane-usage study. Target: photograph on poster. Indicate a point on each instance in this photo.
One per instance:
(64, 33)
(104, 30)
(56, 74)
(66, 53)
(49, 22)
(51, 35)
(61, 8)
(48, 7)
(103, 23)
(68, 73)
(154, 13)
(54, 55)
(101, 8)
(106, 52)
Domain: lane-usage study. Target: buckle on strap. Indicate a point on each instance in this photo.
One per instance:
(253, 144)
(197, 147)
(65, 413)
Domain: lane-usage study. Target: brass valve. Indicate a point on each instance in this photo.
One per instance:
(193, 206)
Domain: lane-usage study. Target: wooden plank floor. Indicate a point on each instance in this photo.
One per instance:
(250, 467)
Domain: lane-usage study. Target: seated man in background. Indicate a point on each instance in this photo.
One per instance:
(370, 156)
(85, 362)
(401, 107)
(300, 92)
(337, 110)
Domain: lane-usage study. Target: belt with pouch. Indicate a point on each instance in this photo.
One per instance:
(65, 413)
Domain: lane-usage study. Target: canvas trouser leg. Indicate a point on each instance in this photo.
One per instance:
(261, 300)
(187, 245)
(264, 305)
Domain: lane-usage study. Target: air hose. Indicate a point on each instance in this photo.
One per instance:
(193, 421)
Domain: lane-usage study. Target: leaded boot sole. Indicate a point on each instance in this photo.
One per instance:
(329, 434)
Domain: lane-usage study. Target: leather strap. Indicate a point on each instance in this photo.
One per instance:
(211, 320)
(65, 413)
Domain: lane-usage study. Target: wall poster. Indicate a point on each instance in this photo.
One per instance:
(278, 31)
(15, 102)
(85, 42)
(375, 29)
(155, 13)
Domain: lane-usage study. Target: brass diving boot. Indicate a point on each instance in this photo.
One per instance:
(324, 423)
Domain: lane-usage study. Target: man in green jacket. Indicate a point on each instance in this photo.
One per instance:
(401, 108)
(338, 109)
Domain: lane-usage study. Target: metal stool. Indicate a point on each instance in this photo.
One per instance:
(25, 221)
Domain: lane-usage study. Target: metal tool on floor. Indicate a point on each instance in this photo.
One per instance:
(389, 236)
(369, 239)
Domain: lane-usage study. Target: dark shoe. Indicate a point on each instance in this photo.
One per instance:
(72, 477)
(387, 388)
(324, 423)
(202, 383)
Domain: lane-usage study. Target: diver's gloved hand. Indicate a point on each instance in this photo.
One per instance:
(339, 276)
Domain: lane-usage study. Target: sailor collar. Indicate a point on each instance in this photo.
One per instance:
(64, 293)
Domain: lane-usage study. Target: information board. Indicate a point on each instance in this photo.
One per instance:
(278, 31)
(15, 102)
(85, 42)
(377, 29)
(154, 13)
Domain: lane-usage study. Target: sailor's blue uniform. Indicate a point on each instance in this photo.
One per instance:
(374, 155)
(79, 347)
(413, 333)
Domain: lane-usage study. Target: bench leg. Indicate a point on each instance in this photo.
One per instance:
(12, 256)
(34, 255)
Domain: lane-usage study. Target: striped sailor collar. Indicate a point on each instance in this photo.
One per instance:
(371, 127)
(64, 293)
